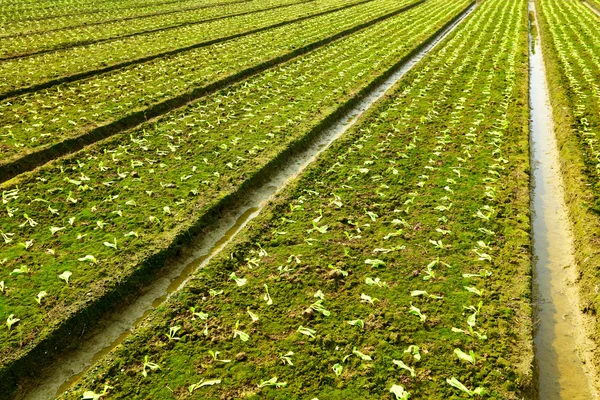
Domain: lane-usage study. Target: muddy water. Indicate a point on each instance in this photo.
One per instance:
(560, 342)
(115, 328)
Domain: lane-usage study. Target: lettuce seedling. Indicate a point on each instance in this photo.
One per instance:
(11, 320)
(375, 263)
(215, 354)
(272, 382)
(65, 276)
(361, 355)
(464, 356)
(415, 311)
(198, 385)
(150, 365)
(89, 395)
(40, 296)
(238, 281)
(337, 368)
(404, 366)
(306, 331)
(267, 296)
(172, 332)
(399, 392)
(244, 337)
(357, 322)
(458, 385)
(286, 358)
(414, 350)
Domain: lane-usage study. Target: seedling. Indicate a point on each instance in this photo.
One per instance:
(202, 383)
(89, 395)
(150, 365)
(65, 276)
(244, 337)
(272, 382)
(470, 358)
(337, 368)
(399, 392)
(286, 358)
(11, 320)
(404, 366)
(458, 385)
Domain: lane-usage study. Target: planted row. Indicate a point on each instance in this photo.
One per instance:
(42, 119)
(20, 72)
(572, 57)
(396, 267)
(34, 42)
(79, 227)
(23, 13)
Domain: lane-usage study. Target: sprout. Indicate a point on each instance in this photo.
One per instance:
(337, 368)
(375, 263)
(40, 296)
(458, 385)
(89, 395)
(2, 286)
(362, 356)
(267, 296)
(368, 299)
(11, 320)
(147, 364)
(376, 282)
(272, 382)
(238, 281)
(253, 316)
(319, 295)
(357, 322)
(89, 258)
(286, 358)
(198, 385)
(203, 316)
(318, 306)
(430, 273)
(415, 311)
(54, 229)
(306, 331)
(414, 350)
(372, 215)
(474, 290)
(6, 236)
(399, 392)
(111, 245)
(215, 354)
(404, 366)
(23, 270)
(65, 276)
(172, 332)
(464, 356)
(416, 293)
(244, 337)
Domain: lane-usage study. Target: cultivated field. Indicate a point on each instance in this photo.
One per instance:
(398, 264)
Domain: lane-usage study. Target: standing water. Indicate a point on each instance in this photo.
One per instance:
(559, 337)
(69, 367)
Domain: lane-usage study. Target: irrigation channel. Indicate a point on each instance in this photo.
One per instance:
(591, 7)
(560, 341)
(68, 367)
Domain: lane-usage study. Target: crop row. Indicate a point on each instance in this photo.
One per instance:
(398, 263)
(80, 226)
(19, 72)
(36, 121)
(572, 57)
(34, 43)
(23, 13)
